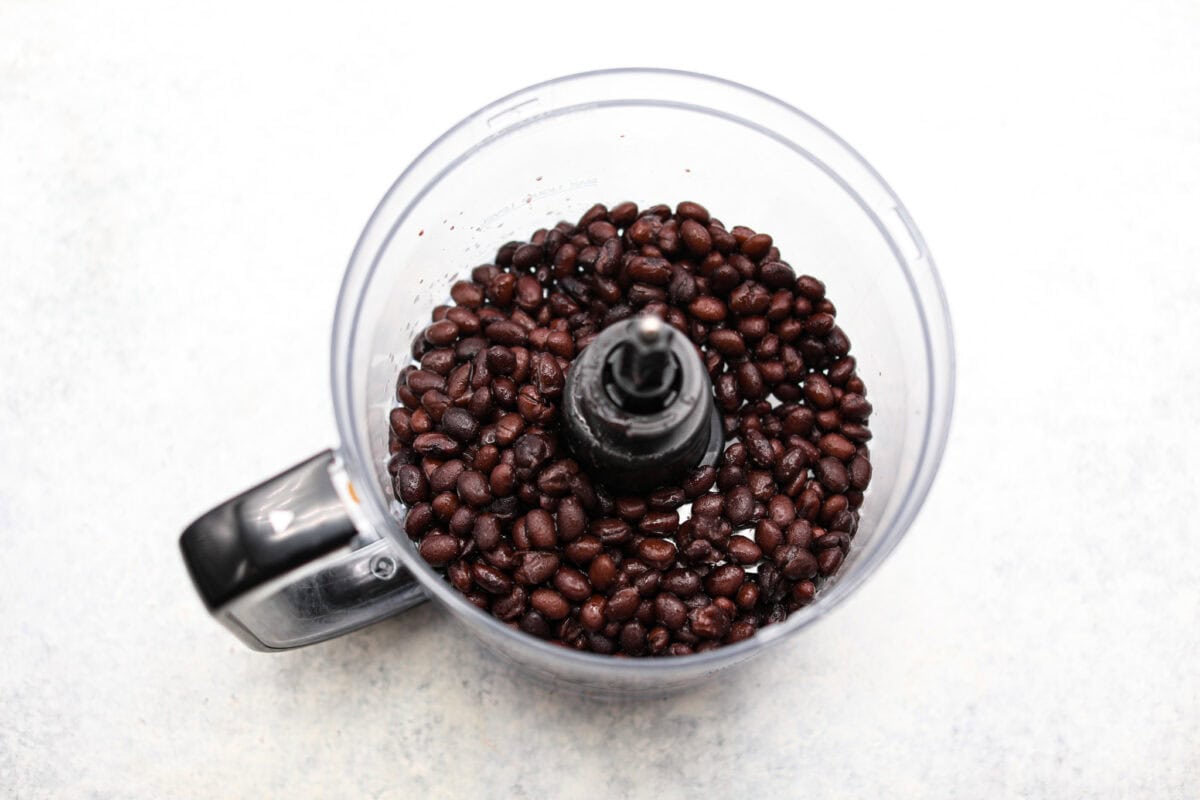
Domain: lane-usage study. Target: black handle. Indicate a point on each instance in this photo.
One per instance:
(283, 565)
(266, 532)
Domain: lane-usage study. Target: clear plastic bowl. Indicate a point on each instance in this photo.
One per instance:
(548, 153)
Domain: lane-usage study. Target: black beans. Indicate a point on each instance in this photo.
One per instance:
(709, 622)
(708, 309)
(549, 603)
(486, 531)
(700, 481)
(496, 501)
(725, 580)
(602, 572)
(490, 579)
(622, 604)
(540, 529)
(583, 550)
(611, 531)
(658, 553)
(681, 582)
(832, 474)
(670, 611)
(659, 523)
(796, 562)
(572, 584)
(439, 549)
(473, 488)
(818, 392)
(743, 550)
(411, 484)
(739, 505)
(859, 472)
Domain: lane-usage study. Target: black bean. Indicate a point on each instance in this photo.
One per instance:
(707, 309)
(462, 521)
(759, 448)
(756, 246)
(572, 584)
(622, 605)
(436, 445)
(602, 572)
(658, 553)
(411, 485)
(749, 381)
(490, 579)
(776, 275)
(535, 624)
(699, 481)
(473, 488)
(832, 474)
(739, 505)
(654, 271)
(581, 551)
(418, 519)
(725, 580)
(540, 528)
(743, 550)
(506, 333)
(829, 560)
(555, 480)
(486, 531)
(659, 523)
(445, 477)
(631, 508)
(459, 424)
(818, 392)
(859, 472)
(550, 604)
(796, 562)
(710, 622)
(439, 549)
(666, 499)
(441, 333)
(511, 606)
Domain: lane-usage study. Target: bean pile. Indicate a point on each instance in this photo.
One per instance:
(495, 500)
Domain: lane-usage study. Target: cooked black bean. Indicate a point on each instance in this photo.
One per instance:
(859, 472)
(743, 550)
(709, 622)
(658, 553)
(439, 549)
(549, 603)
(490, 579)
(622, 604)
(796, 562)
(581, 551)
(473, 488)
(411, 485)
(540, 528)
(739, 505)
(659, 523)
(602, 572)
(572, 584)
(725, 580)
(832, 474)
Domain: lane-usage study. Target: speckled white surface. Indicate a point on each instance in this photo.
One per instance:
(179, 191)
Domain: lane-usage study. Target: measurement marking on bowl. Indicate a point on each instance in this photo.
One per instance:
(517, 111)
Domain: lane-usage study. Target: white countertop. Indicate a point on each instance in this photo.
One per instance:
(178, 197)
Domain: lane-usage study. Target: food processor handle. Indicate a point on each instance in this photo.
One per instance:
(283, 564)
